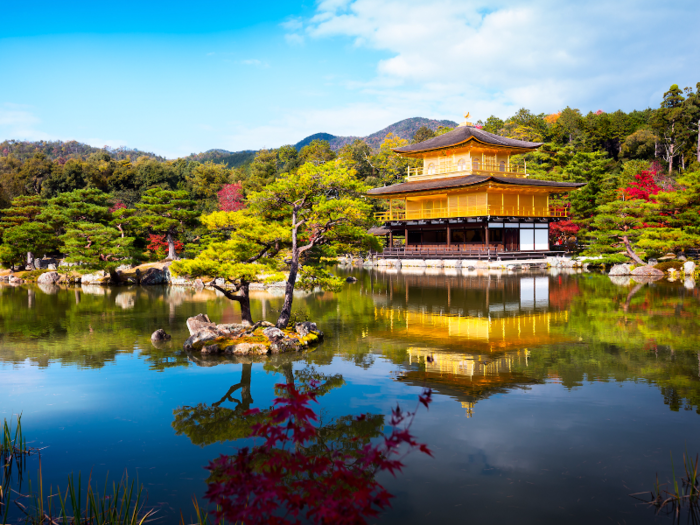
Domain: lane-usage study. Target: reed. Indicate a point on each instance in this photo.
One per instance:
(123, 505)
(685, 495)
(13, 442)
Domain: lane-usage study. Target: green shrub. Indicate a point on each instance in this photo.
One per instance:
(667, 265)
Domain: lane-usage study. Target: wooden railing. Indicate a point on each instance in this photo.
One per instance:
(470, 211)
(477, 167)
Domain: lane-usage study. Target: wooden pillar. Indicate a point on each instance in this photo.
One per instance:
(391, 239)
(391, 214)
(448, 235)
(486, 239)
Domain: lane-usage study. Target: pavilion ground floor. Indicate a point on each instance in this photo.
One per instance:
(481, 238)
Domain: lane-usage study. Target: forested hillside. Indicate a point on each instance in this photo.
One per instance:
(62, 151)
(232, 159)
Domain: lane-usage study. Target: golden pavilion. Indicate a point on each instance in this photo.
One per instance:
(469, 200)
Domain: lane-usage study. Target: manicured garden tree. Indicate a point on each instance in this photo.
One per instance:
(617, 226)
(86, 206)
(676, 225)
(20, 242)
(165, 212)
(244, 249)
(324, 208)
(82, 220)
(96, 246)
(22, 235)
(291, 225)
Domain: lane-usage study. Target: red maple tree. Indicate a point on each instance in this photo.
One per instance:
(157, 242)
(285, 481)
(231, 197)
(644, 187)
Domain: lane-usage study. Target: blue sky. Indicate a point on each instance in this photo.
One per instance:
(177, 78)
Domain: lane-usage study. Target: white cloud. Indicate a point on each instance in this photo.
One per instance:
(294, 39)
(19, 123)
(352, 119)
(456, 55)
(255, 62)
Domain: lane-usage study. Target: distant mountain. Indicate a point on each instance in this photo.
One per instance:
(404, 128)
(316, 136)
(232, 159)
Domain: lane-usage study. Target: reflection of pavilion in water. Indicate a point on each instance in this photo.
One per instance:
(467, 337)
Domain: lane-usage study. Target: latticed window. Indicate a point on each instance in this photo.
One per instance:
(502, 166)
(461, 165)
(431, 169)
(476, 164)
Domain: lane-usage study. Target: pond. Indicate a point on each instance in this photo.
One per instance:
(555, 395)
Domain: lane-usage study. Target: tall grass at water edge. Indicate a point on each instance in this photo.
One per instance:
(685, 495)
(77, 505)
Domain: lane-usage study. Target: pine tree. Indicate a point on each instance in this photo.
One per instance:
(667, 123)
(617, 227)
(164, 212)
(96, 246)
(22, 234)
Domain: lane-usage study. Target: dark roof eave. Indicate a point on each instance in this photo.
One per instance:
(468, 180)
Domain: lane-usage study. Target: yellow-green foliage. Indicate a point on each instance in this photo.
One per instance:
(667, 265)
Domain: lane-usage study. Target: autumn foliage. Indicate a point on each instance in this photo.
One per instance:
(158, 242)
(231, 197)
(296, 477)
(644, 187)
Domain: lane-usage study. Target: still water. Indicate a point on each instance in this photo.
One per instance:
(555, 395)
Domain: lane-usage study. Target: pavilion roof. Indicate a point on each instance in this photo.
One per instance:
(463, 134)
(468, 180)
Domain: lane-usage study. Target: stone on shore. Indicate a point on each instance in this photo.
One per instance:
(647, 271)
(48, 278)
(620, 269)
(689, 268)
(154, 276)
(99, 277)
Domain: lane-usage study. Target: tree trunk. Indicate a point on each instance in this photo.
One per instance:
(630, 251)
(246, 316)
(698, 150)
(171, 246)
(286, 312)
(242, 296)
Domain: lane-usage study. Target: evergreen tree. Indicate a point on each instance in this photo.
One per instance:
(164, 212)
(667, 124)
(96, 246)
(317, 152)
(616, 228)
(22, 234)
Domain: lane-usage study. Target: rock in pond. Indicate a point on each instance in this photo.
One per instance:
(261, 339)
(351, 279)
(160, 335)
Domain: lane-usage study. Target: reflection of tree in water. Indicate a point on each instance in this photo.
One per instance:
(207, 424)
